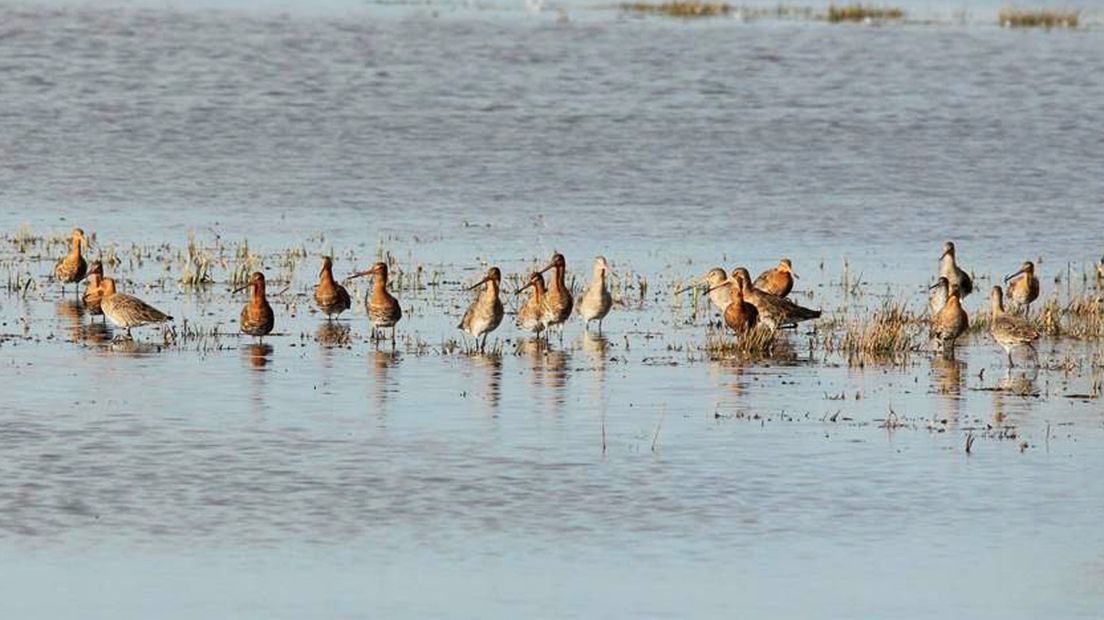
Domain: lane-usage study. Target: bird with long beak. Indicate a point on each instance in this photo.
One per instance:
(775, 312)
(740, 316)
(530, 317)
(1024, 286)
(950, 322)
(93, 291)
(1008, 330)
(331, 297)
(596, 301)
(72, 268)
(938, 298)
(383, 309)
(257, 318)
(557, 300)
(485, 313)
(126, 311)
(778, 281)
(949, 269)
(716, 283)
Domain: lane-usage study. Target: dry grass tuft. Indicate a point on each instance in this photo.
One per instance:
(1017, 18)
(862, 13)
(680, 9)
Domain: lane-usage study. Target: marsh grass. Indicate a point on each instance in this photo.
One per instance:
(1046, 19)
(756, 342)
(863, 13)
(890, 334)
(679, 9)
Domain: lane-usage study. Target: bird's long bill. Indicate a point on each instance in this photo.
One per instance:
(478, 284)
(945, 252)
(1007, 278)
(935, 286)
(360, 274)
(519, 291)
(713, 288)
(696, 282)
(241, 288)
(550, 265)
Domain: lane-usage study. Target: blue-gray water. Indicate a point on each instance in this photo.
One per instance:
(224, 480)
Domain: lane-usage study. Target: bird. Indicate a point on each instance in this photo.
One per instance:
(1024, 289)
(717, 283)
(383, 309)
(73, 267)
(740, 316)
(257, 318)
(126, 311)
(557, 298)
(951, 321)
(938, 298)
(1100, 269)
(530, 317)
(949, 269)
(331, 297)
(596, 302)
(93, 291)
(775, 312)
(1008, 330)
(777, 280)
(484, 314)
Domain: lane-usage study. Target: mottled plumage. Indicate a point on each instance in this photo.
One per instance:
(383, 309)
(774, 311)
(949, 269)
(126, 311)
(73, 267)
(938, 298)
(93, 291)
(1023, 287)
(530, 315)
(778, 280)
(717, 286)
(257, 318)
(596, 302)
(331, 297)
(1008, 330)
(740, 315)
(951, 320)
(557, 299)
(485, 313)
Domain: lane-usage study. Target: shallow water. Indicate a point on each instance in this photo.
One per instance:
(628, 476)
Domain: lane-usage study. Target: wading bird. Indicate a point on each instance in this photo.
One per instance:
(717, 283)
(72, 268)
(949, 269)
(93, 291)
(257, 318)
(1023, 287)
(530, 317)
(126, 311)
(778, 280)
(383, 309)
(775, 312)
(485, 313)
(596, 301)
(938, 298)
(740, 316)
(331, 297)
(557, 299)
(950, 322)
(1010, 331)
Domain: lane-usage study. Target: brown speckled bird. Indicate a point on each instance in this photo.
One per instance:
(331, 297)
(557, 299)
(740, 316)
(72, 268)
(485, 313)
(778, 280)
(257, 318)
(383, 309)
(126, 311)
(93, 291)
(1008, 330)
(530, 316)
(775, 312)
(1024, 289)
(950, 322)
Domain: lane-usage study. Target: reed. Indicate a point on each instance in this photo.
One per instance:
(680, 9)
(1047, 19)
(758, 341)
(862, 13)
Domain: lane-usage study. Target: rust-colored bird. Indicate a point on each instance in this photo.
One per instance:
(331, 297)
(717, 283)
(949, 269)
(93, 291)
(938, 298)
(740, 316)
(557, 300)
(530, 317)
(257, 318)
(1008, 330)
(485, 313)
(775, 312)
(778, 280)
(1024, 289)
(383, 309)
(73, 267)
(950, 322)
(596, 302)
(126, 311)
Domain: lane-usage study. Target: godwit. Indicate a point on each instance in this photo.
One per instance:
(257, 318)
(530, 317)
(739, 316)
(557, 299)
(1010, 331)
(331, 297)
(716, 281)
(938, 298)
(778, 280)
(93, 291)
(1023, 289)
(485, 313)
(774, 311)
(949, 269)
(1100, 269)
(596, 301)
(383, 309)
(126, 311)
(72, 268)
(951, 320)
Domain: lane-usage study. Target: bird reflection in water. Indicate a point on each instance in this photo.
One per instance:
(259, 355)
(71, 312)
(491, 366)
(332, 334)
(382, 362)
(97, 333)
(946, 375)
(549, 367)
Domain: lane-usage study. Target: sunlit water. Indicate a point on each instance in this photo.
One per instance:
(628, 476)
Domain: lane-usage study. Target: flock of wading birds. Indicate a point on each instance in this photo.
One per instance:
(744, 303)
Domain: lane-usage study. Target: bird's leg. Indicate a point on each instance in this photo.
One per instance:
(599, 327)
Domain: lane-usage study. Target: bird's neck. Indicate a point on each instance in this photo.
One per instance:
(258, 293)
(327, 276)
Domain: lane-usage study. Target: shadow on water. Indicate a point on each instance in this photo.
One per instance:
(259, 354)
